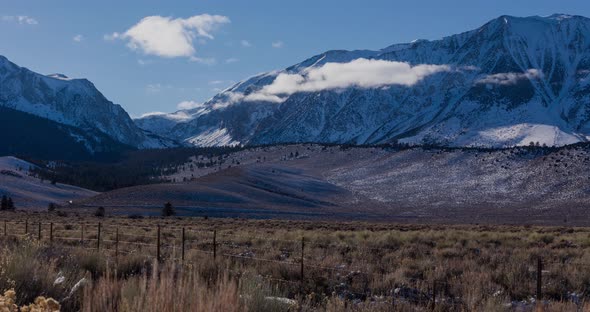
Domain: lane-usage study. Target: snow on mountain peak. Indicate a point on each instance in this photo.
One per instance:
(560, 17)
(512, 80)
(72, 102)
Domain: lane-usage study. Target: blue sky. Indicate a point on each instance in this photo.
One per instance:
(106, 42)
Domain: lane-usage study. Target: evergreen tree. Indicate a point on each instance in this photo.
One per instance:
(10, 204)
(100, 212)
(168, 210)
(4, 203)
(51, 207)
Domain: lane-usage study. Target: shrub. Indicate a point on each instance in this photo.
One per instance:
(8, 303)
(100, 212)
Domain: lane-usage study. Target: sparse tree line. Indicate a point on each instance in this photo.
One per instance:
(144, 167)
(167, 211)
(138, 167)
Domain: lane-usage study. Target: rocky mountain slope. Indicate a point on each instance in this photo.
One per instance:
(510, 82)
(73, 103)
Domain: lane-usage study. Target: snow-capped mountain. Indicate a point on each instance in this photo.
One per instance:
(74, 103)
(512, 81)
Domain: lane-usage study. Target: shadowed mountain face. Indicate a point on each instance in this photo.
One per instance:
(520, 185)
(509, 82)
(42, 138)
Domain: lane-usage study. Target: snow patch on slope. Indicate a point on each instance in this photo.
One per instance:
(213, 137)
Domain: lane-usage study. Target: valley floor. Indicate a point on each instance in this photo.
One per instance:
(109, 264)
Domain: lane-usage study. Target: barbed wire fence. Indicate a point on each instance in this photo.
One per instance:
(114, 239)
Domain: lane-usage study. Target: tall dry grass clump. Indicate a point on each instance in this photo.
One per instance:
(166, 288)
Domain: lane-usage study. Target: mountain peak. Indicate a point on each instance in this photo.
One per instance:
(515, 80)
(76, 103)
(550, 19)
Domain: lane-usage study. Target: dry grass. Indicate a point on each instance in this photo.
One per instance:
(347, 266)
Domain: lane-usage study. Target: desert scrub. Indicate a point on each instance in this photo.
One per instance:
(23, 269)
(8, 301)
(41, 304)
(347, 266)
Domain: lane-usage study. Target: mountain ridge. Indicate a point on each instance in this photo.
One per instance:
(509, 82)
(71, 102)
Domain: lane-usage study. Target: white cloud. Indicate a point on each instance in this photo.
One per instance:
(230, 98)
(231, 60)
(278, 44)
(264, 97)
(178, 116)
(21, 19)
(506, 79)
(361, 73)
(168, 37)
(245, 43)
(78, 38)
(188, 105)
(149, 114)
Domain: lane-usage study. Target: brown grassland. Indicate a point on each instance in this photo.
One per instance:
(255, 265)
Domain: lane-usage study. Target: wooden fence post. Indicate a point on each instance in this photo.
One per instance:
(51, 232)
(82, 233)
(183, 239)
(158, 245)
(539, 278)
(116, 244)
(98, 238)
(302, 257)
(5, 232)
(434, 295)
(39, 232)
(214, 244)
(26, 226)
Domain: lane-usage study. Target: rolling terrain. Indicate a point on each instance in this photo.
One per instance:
(308, 181)
(31, 193)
